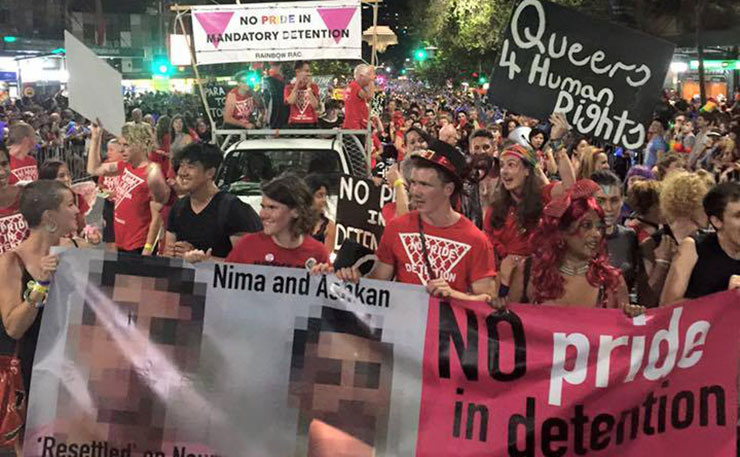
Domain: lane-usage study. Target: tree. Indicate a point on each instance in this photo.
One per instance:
(468, 32)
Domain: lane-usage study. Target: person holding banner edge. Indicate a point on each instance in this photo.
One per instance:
(51, 213)
(288, 219)
(570, 266)
(433, 245)
(206, 218)
(708, 262)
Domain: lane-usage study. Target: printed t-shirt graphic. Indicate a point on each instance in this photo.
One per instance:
(13, 227)
(260, 249)
(132, 212)
(301, 112)
(460, 254)
(23, 170)
(243, 107)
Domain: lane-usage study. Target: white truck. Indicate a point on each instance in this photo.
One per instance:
(254, 156)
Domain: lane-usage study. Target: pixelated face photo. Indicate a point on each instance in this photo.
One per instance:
(139, 338)
(341, 376)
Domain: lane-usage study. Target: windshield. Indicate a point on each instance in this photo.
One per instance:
(244, 170)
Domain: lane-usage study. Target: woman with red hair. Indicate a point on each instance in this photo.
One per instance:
(571, 265)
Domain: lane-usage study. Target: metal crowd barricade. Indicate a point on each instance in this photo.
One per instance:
(354, 142)
(72, 154)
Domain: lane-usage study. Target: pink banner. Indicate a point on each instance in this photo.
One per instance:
(550, 381)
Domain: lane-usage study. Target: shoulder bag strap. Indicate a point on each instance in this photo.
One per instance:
(424, 252)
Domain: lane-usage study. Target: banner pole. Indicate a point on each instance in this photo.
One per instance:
(193, 64)
(374, 57)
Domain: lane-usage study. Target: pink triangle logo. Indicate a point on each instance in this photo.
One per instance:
(337, 18)
(214, 24)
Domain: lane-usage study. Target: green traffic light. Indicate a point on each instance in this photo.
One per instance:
(482, 80)
(161, 67)
(420, 55)
(58, 51)
(10, 39)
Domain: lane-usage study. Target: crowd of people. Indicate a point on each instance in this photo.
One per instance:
(490, 205)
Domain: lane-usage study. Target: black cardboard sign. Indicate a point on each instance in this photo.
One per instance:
(606, 78)
(359, 211)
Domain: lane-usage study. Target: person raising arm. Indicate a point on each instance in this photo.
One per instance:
(141, 188)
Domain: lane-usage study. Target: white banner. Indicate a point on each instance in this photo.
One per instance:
(262, 32)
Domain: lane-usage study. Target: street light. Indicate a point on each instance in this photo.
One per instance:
(420, 55)
(482, 80)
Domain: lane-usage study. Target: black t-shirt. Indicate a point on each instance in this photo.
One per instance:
(713, 268)
(624, 253)
(212, 227)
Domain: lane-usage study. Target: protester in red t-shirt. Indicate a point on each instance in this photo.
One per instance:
(288, 218)
(434, 236)
(141, 189)
(13, 227)
(359, 93)
(302, 96)
(240, 103)
(517, 203)
(21, 141)
(58, 170)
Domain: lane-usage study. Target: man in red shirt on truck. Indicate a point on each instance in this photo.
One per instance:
(303, 97)
(359, 94)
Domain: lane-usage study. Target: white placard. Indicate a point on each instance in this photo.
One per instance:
(95, 89)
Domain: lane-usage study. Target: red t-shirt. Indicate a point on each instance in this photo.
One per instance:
(260, 249)
(389, 212)
(460, 254)
(13, 227)
(244, 105)
(642, 234)
(356, 112)
(132, 214)
(301, 112)
(83, 208)
(109, 183)
(23, 169)
(161, 158)
(509, 239)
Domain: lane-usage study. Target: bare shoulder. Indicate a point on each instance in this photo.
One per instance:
(10, 268)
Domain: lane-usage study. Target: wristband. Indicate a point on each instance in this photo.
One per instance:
(148, 247)
(40, 289)
(662, 261)
(398, 182)
(34, 304)
(503, 291)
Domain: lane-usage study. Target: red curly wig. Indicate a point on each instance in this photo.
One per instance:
(547, 280)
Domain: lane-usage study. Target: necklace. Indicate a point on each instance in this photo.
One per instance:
(567, 270)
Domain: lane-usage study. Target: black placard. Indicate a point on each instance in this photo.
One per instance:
(359, 211)
(216, 95)
(606, 78)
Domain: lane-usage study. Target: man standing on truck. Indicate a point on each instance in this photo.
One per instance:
(359, 93)
(303, 97)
